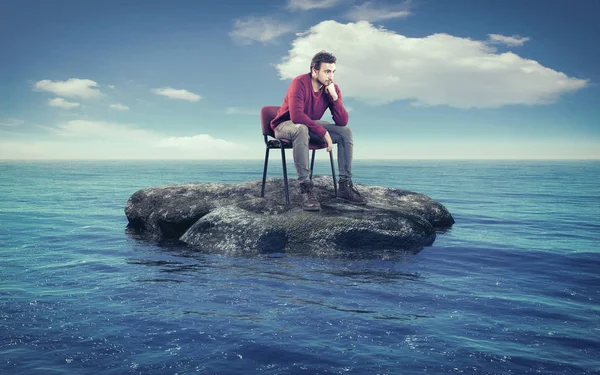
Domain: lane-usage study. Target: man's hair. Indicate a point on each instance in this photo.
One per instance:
(321, 57)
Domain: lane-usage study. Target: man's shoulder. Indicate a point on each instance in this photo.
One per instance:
(299, 84)
(301, 79)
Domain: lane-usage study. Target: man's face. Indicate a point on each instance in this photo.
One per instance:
(325, 74)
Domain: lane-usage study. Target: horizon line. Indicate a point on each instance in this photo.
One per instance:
(262, 159)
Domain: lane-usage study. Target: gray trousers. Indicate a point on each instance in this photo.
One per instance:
(300, 136)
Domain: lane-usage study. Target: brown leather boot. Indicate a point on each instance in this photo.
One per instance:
(309, 200)
(348, 193)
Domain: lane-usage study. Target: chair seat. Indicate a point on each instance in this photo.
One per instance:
(287, 143)
(276, 143)
(317, 146)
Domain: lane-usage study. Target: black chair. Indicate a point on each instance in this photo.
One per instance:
(267, 114)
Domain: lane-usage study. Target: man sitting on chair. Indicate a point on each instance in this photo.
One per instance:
(298, 119)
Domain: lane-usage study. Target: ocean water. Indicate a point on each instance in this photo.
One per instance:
(512, 288)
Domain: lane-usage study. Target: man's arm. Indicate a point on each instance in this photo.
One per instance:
(297, 95)
(339, 113)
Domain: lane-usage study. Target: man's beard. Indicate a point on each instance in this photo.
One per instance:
(318, 80)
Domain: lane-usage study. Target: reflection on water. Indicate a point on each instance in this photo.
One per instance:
(278, 268)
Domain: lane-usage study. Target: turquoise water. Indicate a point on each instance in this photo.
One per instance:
(513, 287)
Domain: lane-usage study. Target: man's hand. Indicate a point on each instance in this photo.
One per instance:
(331, 90)
(329, 142)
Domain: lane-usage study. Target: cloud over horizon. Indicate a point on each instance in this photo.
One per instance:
(100, 130)
(172, 93)
(62, 103)
(119, 107)
(71, 88)
(109, 140)
(195, 142)
(241, 111)
(439, 69)
(11, 122)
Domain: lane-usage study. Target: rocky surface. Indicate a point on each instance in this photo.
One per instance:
(234, 219)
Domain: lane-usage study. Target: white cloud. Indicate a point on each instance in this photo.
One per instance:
(206, 148)
(241, 111)
(111, 87)
(377, 66)
(177, 94)
(120, 107)
(101, 130)
(72, 88)
(312, 4)
(195, 142)
(514, 40)
(62, 103)
(263, 30)
(11, 122)
(84, 139)
(369, 12)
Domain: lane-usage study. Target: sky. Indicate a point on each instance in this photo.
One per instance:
(421, 79)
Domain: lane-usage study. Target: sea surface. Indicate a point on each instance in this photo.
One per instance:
(512, 288)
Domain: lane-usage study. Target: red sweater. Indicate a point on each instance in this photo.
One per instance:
(302, 105)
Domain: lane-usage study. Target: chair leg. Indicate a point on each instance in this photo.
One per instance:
(285, 180)
(312, 163)
(333, 173)
(262, 190)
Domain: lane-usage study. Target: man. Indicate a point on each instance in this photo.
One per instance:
(307, 98)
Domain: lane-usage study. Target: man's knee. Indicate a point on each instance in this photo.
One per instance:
(301, 133)
(346, 133)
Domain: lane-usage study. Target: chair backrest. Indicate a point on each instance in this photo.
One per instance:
(267, 114)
